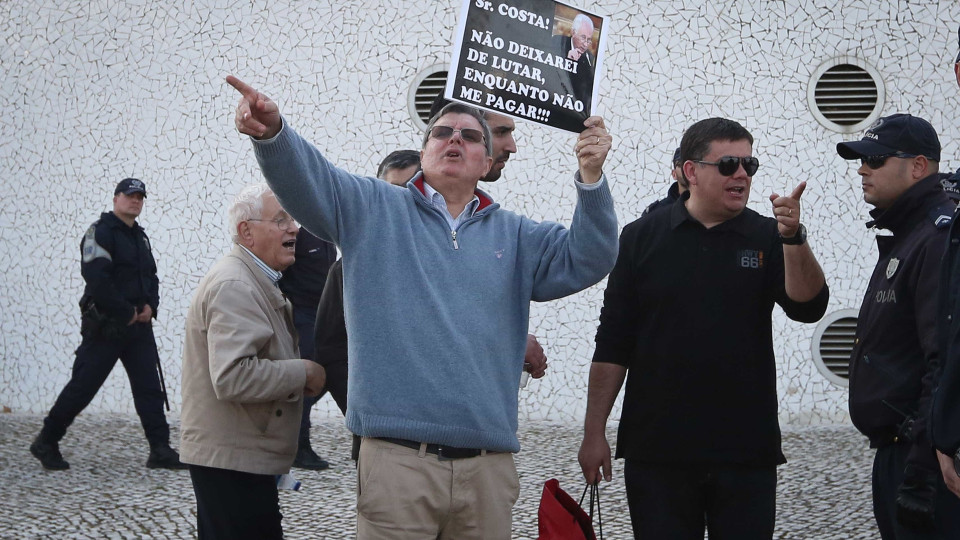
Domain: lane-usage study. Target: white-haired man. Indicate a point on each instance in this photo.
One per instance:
(243, 380)
(579, 48)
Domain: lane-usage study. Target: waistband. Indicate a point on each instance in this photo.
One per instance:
(443, 452)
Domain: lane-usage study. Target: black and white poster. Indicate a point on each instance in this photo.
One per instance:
(536, 60)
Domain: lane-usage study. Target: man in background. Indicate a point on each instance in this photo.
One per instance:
(896, 354)
(303, 284)
(676, 189)
(945, 412)
(119, 303)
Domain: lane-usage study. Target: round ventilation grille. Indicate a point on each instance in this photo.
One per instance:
(845, 96)
(427, 86)
(833, 343)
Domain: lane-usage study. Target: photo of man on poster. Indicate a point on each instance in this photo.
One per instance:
(577, 46)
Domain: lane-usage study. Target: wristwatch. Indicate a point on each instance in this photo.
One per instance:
(797, 239)
(956, 462)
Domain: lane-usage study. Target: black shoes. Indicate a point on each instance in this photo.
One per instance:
(164, 457)
(49, 455)
(308, 459)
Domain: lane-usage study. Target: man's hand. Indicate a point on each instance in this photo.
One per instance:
(574, 54)
(594, 455)
(316, 378)
(145, 314)
(916, 498)
(951, 476)
(135, 318)
(257, 115)
(591, 149)
(787, 211)
(534, 360)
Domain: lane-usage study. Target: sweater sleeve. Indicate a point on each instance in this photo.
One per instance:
(573, 259)
(329, 201)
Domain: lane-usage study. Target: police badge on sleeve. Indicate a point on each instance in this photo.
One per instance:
(892, 267)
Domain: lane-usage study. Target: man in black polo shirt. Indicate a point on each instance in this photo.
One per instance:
(894, 362)
(688, 309)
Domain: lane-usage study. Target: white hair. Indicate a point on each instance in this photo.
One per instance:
(248, 204)
(580, 21)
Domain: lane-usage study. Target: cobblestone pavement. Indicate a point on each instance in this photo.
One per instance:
(108, 492)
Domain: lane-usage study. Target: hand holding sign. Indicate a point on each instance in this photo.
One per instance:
(257, 115)
(591, 149)
(787, 211)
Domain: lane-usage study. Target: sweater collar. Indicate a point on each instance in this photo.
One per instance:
(485, 200)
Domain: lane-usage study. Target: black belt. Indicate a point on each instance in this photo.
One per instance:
(442, 452)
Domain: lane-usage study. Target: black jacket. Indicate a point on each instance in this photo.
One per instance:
(673, 193)
(896, 353)
(303, 281)
(118, 267)
(945, 413)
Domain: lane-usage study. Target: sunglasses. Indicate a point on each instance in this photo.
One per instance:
(875, 162)
(467, 134)
(728, 165)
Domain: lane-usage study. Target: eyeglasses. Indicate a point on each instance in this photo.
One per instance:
(584, 37)
(443, 133)
(875, 162)
(282, 223)
(728, 165)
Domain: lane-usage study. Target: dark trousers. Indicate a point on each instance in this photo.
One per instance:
(304, 319)
(95, 358)
(678, 502)
(234, 505)
(888, 467)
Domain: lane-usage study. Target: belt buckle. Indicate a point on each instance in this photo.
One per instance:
(442, 456)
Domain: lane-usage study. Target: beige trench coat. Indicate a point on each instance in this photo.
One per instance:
(242, 379)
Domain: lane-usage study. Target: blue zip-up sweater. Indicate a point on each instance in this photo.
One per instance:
(436, 319)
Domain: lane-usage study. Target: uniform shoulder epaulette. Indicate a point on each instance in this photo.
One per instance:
(941, 217)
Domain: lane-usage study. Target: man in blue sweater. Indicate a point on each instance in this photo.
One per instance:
(435, 356)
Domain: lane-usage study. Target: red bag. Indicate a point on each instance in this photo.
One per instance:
(561, 518)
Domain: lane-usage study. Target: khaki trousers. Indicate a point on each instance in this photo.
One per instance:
(405, 493)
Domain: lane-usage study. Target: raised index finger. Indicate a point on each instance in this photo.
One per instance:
(798, 191)
(242, 87)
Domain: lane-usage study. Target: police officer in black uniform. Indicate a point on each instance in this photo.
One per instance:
(897, 354)
(119, 301)
(945, 413)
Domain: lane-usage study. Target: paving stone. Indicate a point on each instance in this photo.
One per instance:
(823, 491)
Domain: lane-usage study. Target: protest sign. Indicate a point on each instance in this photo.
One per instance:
(536, 60)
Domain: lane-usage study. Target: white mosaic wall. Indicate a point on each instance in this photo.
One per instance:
(96, 91)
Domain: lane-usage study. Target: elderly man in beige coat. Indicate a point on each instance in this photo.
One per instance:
(243, 380)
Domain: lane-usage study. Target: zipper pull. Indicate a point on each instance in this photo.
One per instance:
(453, 236)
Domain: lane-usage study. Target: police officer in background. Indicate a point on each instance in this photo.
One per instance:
(119, 301)
(302, 283)
(896, 353)
(945, 413)
(676, 189)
